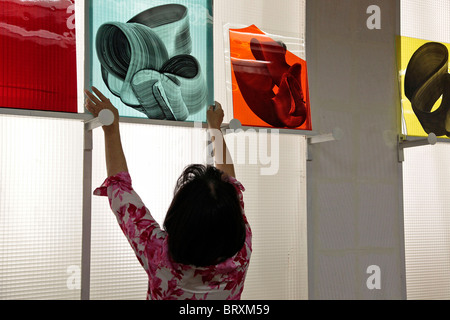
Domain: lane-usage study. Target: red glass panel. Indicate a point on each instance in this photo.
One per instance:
(38, 55)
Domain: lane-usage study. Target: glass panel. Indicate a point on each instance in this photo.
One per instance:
(425, 19)
(154, 58)
(156, 156)
(40, 208)
(269, 79)
(427, 221)
(272, 169)
(275, 198)
(423, 50)
(425, 173)
(283, 21)
(38, 55)
(275, 204)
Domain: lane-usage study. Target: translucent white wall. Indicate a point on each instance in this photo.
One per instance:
(41, 176)
(426, 177)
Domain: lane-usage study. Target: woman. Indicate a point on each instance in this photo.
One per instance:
(204, 250)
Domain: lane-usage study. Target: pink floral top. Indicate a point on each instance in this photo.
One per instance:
(168, 280)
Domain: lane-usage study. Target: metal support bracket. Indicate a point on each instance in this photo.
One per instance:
(336, 135)
(105, 118)
(234, 125)
(403, 144)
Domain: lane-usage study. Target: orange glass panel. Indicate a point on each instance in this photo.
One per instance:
(269, 83)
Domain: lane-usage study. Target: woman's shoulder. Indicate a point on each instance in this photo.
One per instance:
(233, 181)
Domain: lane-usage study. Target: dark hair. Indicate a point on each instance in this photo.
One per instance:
(204, 223)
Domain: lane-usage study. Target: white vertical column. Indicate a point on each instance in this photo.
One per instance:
(87, 156)
(86, 225)
(355, 214)
(105, 118)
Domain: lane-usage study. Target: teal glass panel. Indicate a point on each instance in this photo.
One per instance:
(153, 59)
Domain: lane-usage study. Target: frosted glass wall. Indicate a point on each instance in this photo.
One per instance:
(276, 209)
(41, 176)
(426, 183)
(40, 208)
(275, 206)
(426, 177)
(156, 155)
(425, 19)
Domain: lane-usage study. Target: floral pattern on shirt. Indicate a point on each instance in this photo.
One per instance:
(168, 280)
